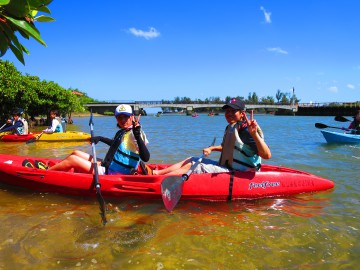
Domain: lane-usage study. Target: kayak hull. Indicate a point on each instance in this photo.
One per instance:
(336, 137)
(270, 182)
(68, 136)
(16, 138)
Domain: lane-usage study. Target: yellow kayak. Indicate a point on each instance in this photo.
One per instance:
(64, 136)
(68, 136)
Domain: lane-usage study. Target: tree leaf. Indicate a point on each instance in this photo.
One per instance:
(43, 18)
(19, 54)
(17, 8)
(28, 28)
(4, 44)
(10, 34)
(44, 9)
(4, 2)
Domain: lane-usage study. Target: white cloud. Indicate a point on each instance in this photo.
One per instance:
(351, 86)
(152, 33)
(333, 89)
(267, 15)
(277, 50)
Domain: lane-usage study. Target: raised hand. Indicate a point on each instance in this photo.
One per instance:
(251, 124)
(136, 127)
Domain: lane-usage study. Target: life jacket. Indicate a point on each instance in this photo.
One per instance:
(123, 156)
(236, 154)
(25, 127)
(20, 129)
(356, 126)
(58, 127)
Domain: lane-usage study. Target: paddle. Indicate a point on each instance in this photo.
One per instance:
(341, 119)
(172, 186)
(2, 126)
(35, 138)
(319, 125)
(96, 175)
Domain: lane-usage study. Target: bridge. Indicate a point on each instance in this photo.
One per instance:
(140, 106)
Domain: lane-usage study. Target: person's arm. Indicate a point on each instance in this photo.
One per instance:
(13, 127)
(262, 148)
(207, 151)
(97, 139)
(143, 150)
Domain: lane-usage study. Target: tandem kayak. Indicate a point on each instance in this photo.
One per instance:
(269, 182)
(336, 137)
(68, 136)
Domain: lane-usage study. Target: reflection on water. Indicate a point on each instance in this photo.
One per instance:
(314, 231)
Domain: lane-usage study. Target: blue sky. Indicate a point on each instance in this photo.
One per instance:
(153, 50)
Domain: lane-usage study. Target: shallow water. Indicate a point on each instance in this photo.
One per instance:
(308, 231)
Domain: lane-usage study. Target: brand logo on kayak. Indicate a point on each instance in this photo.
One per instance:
(264, 185)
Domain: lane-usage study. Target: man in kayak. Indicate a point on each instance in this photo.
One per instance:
(17, 125)
(242, 147)
(55, 125)
(355, 125)
(127, 149)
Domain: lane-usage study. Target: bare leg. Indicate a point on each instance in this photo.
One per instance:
(177, 168)
(79, 164)
(82, 154)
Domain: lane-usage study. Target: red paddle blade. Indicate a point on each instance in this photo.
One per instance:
(171, 190)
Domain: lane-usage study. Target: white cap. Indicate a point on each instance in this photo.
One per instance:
(123, 109)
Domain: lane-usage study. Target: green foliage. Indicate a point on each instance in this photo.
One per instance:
(20, 16)
(35, 96)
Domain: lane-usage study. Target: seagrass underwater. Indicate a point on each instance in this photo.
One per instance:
(315, 231)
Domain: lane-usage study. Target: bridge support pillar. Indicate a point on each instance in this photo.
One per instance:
(189, 110)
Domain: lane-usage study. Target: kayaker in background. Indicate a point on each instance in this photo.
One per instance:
(55, 125)
(127, 149)
(355, 125)
(17, 125)
(242, 147)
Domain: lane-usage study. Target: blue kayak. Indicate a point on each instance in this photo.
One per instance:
(336, 137)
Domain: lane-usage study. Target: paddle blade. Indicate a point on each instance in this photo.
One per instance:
(101, 205)
(341, 119)
(171, 190)
(319, 125)
(31, 140)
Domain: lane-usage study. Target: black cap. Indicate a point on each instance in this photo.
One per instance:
(17, 111)
(235, 104)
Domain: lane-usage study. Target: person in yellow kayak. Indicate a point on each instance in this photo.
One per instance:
(55, 125)
(242, 147)
(127, 149)
(16, 125)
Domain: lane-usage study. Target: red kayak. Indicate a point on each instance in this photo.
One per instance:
(16, 137)
(271, 181)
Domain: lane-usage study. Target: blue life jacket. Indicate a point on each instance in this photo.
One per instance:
(122, 156)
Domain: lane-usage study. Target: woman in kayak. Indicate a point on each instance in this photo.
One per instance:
(127, 149)
(242, 147)
(55, 125)
(355, 125)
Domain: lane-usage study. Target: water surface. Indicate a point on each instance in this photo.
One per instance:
(308, 231)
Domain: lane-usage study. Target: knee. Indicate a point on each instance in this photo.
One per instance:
(76, 153)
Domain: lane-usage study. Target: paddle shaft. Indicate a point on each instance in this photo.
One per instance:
(34, 139)
(96, 175)
(320, 125)
(193, 167)
(3, 126)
